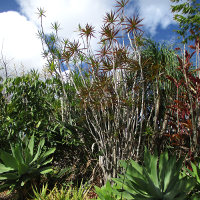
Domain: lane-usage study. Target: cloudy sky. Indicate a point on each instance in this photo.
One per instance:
(19, 23)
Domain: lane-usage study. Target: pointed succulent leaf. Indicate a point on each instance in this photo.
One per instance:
(150, 162)
(3, 168)
(8, 160)
(44, 156)
(47, 161)
(47, 153)
(37, 155)
(31, 145)
(151, 188)
(46, 170)
(133, 172)
(137, 167)
(162, 169)
(27, 156)
(171, 175)
(18, 154)
(133, 185)
(28, 151)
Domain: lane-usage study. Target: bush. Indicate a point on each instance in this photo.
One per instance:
(24, 166)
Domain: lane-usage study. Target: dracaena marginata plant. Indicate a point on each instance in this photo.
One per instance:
(24, 165)
(120, 87)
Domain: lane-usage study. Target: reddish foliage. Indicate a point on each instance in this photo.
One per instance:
(184, 106)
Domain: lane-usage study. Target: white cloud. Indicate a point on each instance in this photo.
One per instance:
(18, 41)
(155, 13)
(18, 34)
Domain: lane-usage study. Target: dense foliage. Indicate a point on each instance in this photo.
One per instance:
(131, 94)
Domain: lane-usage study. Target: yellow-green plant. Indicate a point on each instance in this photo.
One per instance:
(68, 193)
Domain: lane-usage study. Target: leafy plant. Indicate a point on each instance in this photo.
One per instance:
(23, 165)
(187, 15)
(107, 192)
(68, 193)
(42, 194)
(31, 106)
(195, 172)
(184, 110)
(159, 178)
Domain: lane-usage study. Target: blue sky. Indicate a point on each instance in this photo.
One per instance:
(21, 47)
(6, 5)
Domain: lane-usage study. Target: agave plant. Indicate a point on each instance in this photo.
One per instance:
(23, 165)
(159, 178)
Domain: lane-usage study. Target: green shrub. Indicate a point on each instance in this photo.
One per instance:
(23, 166)
(108, 192)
